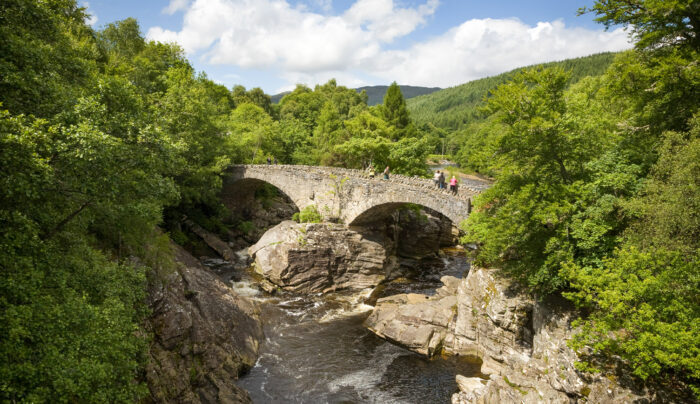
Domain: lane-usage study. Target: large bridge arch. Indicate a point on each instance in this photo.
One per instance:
(348, 195)
(240, 196)
(380, 212)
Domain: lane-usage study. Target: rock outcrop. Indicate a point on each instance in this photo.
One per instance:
(421, 233)
(417, 322)
(521, 342)
(204, 336)
(319, 257)
(493, 322)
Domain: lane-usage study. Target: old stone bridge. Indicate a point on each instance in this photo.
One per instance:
(350, 196)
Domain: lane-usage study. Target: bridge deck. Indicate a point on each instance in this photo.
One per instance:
(473, 186)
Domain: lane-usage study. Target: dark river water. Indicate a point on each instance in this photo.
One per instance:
(317, 351)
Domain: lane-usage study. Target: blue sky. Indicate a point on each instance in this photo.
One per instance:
(275, 44)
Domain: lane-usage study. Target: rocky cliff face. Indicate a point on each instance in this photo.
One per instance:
(319, 257)
(522, 342)
(204, 337)
(421, 233)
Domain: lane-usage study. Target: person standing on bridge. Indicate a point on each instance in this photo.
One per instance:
(371, 170)
(453, 185)
(436, 179)
(441, 180)
(386, 173)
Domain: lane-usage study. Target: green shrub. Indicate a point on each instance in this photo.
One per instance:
(307, 215)
(246, 226)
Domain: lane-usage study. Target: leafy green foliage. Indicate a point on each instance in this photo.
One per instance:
(332, 125)
(395, 112)
(597, 194)
(540, 156)
(653, 23)
(308, 215)
(43, 40)
(99, 134)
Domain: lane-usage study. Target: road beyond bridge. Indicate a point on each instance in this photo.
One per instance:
(350, 196)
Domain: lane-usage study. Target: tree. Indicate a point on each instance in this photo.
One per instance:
(254, 96)
(327, 132)
(523, 223)
(395, 111)
(654, 23)
(396, 114)
(122, 39)
(250, 134)
(47, 55)
(643, 298)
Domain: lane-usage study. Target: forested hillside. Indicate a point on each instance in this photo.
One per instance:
(456, 107)
(375, 94)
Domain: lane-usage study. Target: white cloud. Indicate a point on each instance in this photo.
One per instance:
(176, 5)
(355, 47)
(256, 33)
(385, 20)
(92, 17)
(480, 48)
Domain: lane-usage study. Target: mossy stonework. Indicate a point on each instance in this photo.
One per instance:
(348, 196)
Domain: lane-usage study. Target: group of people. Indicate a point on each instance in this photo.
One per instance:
(372, 172)
(439, 180)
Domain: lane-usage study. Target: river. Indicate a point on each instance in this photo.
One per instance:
(317, 351)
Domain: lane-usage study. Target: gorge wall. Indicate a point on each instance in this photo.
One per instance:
(204, 336)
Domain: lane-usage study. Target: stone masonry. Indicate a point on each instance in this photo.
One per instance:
(350, 196)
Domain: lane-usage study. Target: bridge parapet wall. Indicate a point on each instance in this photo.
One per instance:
(346, 194)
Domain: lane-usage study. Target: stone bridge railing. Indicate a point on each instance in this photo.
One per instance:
(350, 195)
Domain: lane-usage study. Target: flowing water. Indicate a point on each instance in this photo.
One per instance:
(317, 351)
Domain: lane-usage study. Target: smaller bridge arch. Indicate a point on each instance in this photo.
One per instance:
(349, 196)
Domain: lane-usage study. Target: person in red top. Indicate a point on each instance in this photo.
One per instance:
(453, 185)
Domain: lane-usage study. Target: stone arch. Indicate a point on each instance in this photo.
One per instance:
(412, 230)
(359, 210)
(381, 211)
(245, 188)
(291, 187)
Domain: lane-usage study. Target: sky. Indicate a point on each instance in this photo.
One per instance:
(276, 44)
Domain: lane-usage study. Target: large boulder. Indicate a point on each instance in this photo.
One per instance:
(319, 257)
(204, 336)
(417, 322)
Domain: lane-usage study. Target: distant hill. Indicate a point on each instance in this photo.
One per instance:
(375, 94)
(455, 107)
(277, 97)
